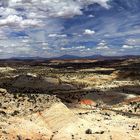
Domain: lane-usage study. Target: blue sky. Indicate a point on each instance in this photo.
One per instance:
(48, 28)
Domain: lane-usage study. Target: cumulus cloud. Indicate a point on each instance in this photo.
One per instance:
(46, 21)
(57, 35)
(7, 11)
(55, 8)
(64, 49)
(30, 22)
(80, 47)
(133, 42)
(102, 46)
(73, 48)
(27, 13)
(88, 32)
(14, 20)
(127, 47)
(10, 20)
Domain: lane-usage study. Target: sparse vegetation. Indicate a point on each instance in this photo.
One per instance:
(101, 98)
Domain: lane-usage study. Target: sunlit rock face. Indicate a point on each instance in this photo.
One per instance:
(60, 122)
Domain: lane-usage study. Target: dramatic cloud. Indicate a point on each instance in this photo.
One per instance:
(55, 8)
(54, 27)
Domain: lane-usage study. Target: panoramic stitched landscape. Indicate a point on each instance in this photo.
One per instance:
(69, 69)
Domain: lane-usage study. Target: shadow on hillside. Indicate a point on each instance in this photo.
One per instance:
(108, 97)
(114, 95)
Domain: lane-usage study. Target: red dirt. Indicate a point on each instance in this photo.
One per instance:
(87, 102)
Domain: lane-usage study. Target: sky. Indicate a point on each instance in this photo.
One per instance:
(50, 28)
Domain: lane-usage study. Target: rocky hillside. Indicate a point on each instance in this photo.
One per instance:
(44, 117)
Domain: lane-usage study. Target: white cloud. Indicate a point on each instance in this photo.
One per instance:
(91, 16)
(14, 20)
(67, 10)
(17, 15)
(10, 20)
(88, 49)
(25, 40)
(66, 49)
(56, 8)
(44, 43)
(80, 47)
(133, 42)
(89, 32)
(57, 35)
(102, 46)
(30, 22)
(74, 48)
(7, 11)
(127, 47)
(52, 35)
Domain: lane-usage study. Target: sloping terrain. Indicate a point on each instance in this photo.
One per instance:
(55, 121)
(94, 100)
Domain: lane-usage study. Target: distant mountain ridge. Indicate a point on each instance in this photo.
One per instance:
(99, 57)
(27, 58)
(70, 57)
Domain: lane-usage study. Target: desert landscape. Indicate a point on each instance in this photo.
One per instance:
(81, 99)
(69, 69)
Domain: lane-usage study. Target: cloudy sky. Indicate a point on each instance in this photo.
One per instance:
(48, 28)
